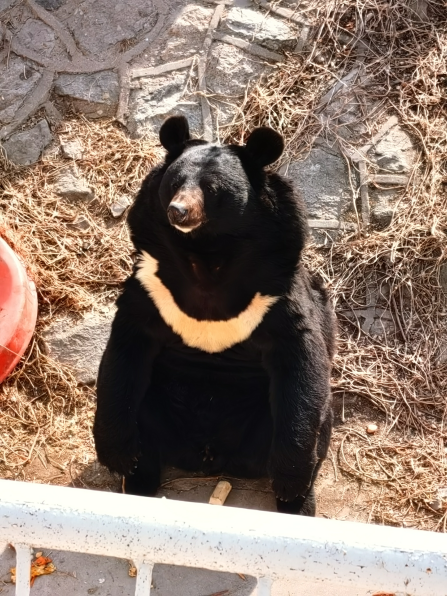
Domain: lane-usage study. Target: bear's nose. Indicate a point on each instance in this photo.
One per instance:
(177, 213)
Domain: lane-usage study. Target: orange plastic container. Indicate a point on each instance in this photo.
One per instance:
(18, 309)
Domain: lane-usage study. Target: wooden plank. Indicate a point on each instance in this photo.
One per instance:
(251, 48)
(330, 224)
(154, 71)
(366, 211)
(390, 179)
(220, 493)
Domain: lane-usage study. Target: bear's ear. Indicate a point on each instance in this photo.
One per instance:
(264, 145)
(174, 133)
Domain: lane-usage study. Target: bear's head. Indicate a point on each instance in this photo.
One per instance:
(207, 187)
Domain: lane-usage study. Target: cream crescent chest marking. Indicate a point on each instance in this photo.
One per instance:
(209, 336)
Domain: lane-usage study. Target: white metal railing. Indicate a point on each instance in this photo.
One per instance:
(269, 546)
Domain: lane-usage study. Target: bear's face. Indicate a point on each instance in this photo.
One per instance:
(206, 187)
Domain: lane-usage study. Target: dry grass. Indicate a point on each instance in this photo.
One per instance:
(403, 65)
(45, 416)
(44, 413)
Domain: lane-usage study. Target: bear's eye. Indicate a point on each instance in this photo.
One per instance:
(175, 186)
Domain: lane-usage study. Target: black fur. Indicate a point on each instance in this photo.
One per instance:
(260, 407)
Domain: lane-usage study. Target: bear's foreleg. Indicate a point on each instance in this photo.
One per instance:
(123, 381)
(301, 408)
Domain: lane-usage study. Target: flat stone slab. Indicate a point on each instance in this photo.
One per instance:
(100, 27)
(25, 148)
(79, 345)
(38, 37)
(230, 70)
(186, 35)
(96, 94)
(51, 4)
(17, 81)
(160, 97)
(256, 26)
(382, 209)
(323, 180)
(394, 152)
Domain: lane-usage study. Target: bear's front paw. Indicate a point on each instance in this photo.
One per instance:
(290, 487)
(120, 455)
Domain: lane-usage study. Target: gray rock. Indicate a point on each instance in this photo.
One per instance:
(54, 117)
(257, 27)
(16, 82)
(79, 345)
(443, 277)
(373, 320)
(100, 26)
(72, 149)
(230, 70)
(323, 180)
(96, 95)
(72, 187)
(186, 35)
(394, 152)
(25, 148)
(80, 223)
(158, 98)
(345, 111)
(5, 4)
(382, 207)
(51, 4)
(37, 36)
(119, 206)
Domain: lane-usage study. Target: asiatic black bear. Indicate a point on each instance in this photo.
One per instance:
(220, 351)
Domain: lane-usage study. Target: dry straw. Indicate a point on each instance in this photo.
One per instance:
(403, 63)
(45, 417)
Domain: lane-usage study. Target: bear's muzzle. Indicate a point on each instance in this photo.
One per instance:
(186, 209)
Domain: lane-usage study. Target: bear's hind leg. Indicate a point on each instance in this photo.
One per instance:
(300, 505)
(308, 505)
(145, 479)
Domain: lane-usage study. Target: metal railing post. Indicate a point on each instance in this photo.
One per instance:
(264, 586)
(144, 578)
(23, 569)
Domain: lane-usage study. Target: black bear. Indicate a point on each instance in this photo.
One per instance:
(220, 351)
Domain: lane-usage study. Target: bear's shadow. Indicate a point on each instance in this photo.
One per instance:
(185, 486)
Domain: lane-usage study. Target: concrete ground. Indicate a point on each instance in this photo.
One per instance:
(81, 575)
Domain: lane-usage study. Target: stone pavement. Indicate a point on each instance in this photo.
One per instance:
(143, 61)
